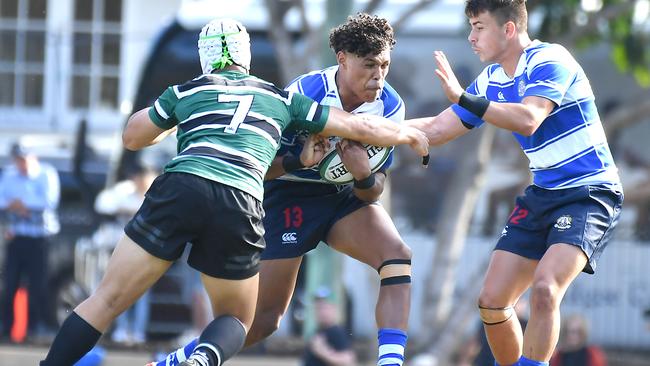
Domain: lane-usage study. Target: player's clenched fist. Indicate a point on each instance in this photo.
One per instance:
(419, 141)
(314, 149)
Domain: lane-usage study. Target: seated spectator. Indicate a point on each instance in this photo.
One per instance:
(331, 345)
(574, 349)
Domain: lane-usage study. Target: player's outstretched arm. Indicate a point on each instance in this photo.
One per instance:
(140, 131)
(439, 129)
(374, 130)
(523, 118)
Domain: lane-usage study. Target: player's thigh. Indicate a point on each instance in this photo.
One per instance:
(586, 219)
(560, 265)
(368, 235)
(233, 297)
(130, 272)
(277, 283)
(508, 276)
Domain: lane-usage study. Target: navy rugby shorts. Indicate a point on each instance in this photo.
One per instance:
(299, 215)
(223, 224)
(581, 216)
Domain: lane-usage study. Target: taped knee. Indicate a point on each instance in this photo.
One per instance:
(395, 272)
(493, 316)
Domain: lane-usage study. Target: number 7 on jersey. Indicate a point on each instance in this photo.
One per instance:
(244, 103)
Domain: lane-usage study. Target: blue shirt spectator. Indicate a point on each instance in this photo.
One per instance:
(29, 195)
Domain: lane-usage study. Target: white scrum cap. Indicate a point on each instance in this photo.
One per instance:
(224, 42)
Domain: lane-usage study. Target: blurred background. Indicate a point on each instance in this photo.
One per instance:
(72, 71)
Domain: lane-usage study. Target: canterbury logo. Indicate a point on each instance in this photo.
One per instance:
(289, 238)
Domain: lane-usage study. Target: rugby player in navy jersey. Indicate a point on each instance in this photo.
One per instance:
(563, 221)
(345, 217)
(228, 125)
(303, 210)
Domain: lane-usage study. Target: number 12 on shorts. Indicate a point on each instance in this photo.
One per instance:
(517, 214)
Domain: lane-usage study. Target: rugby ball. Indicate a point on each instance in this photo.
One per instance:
(332, 170)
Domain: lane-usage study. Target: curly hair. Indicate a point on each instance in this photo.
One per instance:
(363, 34)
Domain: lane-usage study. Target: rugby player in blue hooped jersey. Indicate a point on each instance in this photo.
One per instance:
(563, 221)
(346, 217)
(228, 124)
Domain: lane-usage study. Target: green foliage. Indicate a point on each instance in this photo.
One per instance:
(613, 24)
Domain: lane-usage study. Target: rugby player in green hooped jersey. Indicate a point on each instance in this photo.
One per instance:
(228, 125)
(303, 209)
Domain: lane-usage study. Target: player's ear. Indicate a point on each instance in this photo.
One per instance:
(510, 29)
(341, 58)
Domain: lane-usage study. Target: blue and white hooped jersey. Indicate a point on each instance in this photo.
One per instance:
(321, 86)
(569, 148)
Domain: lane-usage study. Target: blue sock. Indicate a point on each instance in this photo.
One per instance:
(94, 357)
(178, 356)
(391, 347)
(523, 361)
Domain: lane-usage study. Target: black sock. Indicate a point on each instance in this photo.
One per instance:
(222, 338)
(75, 338)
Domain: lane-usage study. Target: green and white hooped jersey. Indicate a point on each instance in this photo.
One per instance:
(229, 126)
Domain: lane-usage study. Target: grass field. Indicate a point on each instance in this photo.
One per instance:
(31, 355)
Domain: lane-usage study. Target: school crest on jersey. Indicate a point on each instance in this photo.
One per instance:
(563, 222)
(521, 87)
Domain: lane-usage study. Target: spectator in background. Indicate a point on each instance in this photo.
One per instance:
(121, 201)
(331, 345)
(29, 196)
(573, 349)
(124, 198)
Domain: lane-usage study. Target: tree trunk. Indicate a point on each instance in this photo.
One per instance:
(451, 232)
(290, 63)
(450, 336)
(627, 115)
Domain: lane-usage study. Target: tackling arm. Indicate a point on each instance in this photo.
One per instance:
(439, 129)
(373, 130)
(140, 131)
